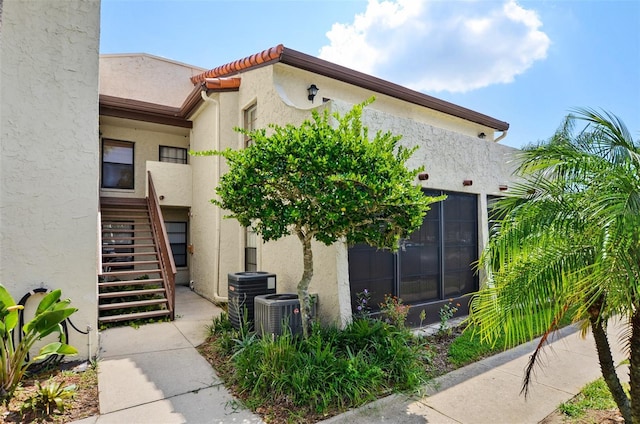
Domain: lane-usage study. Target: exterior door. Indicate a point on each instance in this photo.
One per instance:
(432, 267)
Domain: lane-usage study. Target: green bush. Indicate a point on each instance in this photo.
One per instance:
(331, 369)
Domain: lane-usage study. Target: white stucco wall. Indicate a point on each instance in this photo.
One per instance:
(137, 76)
(49, 154)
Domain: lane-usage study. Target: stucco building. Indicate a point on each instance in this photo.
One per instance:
(198, 110)
(89, 154)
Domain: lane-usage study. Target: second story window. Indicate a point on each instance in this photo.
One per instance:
(117, 164)
(250, 122)
(173, 154)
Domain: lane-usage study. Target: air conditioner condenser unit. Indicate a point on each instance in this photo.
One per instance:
(275, 311)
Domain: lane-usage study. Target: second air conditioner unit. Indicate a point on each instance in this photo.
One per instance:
(275, 311)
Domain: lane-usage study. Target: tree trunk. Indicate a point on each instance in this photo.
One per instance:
(634, 367)
(608, 368)
(303, 285)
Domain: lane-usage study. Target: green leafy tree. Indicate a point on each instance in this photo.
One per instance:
(50, 313)
(325, 182)
(568, 242)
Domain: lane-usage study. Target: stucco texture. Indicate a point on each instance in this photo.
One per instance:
(49, 154)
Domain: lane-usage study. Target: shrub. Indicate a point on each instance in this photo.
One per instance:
(331, 369)
(50, 313)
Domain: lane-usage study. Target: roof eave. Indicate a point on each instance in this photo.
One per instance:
(313, 64)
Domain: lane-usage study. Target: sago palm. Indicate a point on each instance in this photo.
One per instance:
(568, 241)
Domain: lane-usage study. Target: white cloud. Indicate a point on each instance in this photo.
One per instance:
(432, 45)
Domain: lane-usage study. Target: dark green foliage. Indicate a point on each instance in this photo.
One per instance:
(332, 180)
(324, 180)
(330, 369)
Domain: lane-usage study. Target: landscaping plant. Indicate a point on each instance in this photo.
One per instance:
(14, 351)
(569, 236)
(446, 313)
(49, 397)
(329, 370)
(325, 180)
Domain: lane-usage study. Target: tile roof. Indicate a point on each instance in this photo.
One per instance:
(258, 59)
(313, 64)
(222, 83)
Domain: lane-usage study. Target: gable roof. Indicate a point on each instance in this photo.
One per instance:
(282, 54)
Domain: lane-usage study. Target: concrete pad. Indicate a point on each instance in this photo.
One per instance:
(194, 331)
(392, 409)
(148, 338)
(89, 420)
(213, 405)
(564, 370)
(494, 397)
(137, 379)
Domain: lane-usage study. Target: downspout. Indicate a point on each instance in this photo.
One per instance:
(216, 176)
(503, 135)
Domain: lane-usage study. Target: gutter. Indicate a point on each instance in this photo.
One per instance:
(216, 176)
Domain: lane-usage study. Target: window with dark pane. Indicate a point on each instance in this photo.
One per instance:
(173, 154)
(177, 233)
(117, 164)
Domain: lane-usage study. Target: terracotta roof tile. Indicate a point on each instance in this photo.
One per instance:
(309, 63)
(263, 57)
(222, 83)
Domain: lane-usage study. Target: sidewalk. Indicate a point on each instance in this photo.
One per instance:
(488, 391)
(154, 374)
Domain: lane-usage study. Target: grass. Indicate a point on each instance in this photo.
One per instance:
(593, 396)
(468, 348)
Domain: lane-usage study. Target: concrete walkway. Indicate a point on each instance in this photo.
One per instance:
(154, 374)
(488, 391)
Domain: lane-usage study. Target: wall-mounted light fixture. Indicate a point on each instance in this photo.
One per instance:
(313, 90)
(467, 182)
(482, 135)
(503, 187)
(423, 176)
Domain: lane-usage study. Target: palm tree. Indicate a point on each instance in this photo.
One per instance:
(568, 242)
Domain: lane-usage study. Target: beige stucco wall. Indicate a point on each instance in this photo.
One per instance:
(49, 154)
(216, 241)
(148, 138)
(137, 77)
(291, 84)
(449, 149)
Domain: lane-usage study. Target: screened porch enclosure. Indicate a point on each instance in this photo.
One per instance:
(432, 267)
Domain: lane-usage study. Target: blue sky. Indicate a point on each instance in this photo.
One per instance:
(526, 62)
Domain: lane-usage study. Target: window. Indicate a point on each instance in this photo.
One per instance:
(250, 115)
(117, 238)
(173, 154)
(117, 164)
(177, 233)
(250, 239)
(493, 214)
(250, 250)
